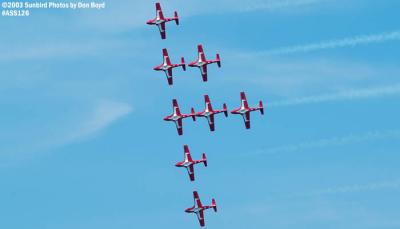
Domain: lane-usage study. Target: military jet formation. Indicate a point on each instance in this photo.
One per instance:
(208, 113)
(244, 110)
(200, 63)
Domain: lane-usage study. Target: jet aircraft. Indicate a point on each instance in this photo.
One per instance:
(177, 116)
(199, 209)
(167, 66)
(244, 109)
(202, 62)
(160, 20)
(209, 112)
(189, 163)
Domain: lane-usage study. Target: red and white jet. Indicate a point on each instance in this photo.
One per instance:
(198, 208)
(245, 110)
(160, 20)
(202, 62)
(177, 117)
(209, 112)
(167, 66)
(189, 163)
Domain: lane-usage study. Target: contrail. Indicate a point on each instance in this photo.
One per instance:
(335, 141)
(274, 5)
(394, 184)
(339, 43)
(341, 96)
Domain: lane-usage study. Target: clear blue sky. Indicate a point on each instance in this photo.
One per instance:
(83, 144)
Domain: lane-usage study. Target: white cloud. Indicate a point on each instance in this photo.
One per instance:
(43, 130)
(104, 114)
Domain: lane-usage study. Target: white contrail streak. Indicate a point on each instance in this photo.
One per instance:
(341, 96)
(339, 43)
(274, 5)
(394, 184)
(335, 141)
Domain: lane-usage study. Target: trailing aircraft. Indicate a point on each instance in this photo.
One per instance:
(199, 209)
(244, 109)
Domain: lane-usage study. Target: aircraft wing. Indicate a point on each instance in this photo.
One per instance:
(179, 127)
(208, 102)
(159, 13)
(169, 78)
(190, 170)
(211, 122)
(203, 70)
(197, 201)
(200, 51)
(169, 72)
(200, 217)
(176, 109)
(188, 157)
(243, 100)
(246, 119)
(161, 27)
(166, 57)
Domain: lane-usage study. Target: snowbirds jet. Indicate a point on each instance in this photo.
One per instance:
(198, 208)
(245, 110)
(202, 62)
(167, 66)
(160, 20)
(177, 117)
(189, 163)
(209, 112)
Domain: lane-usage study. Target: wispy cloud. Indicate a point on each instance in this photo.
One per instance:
(103, 115)
(80, 123)
(338, 43)
(351, 94)
(335, 141)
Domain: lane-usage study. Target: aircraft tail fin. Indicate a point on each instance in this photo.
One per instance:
(204, 159)
(193, 114)
(183, 64)
(176, 17)
(225, 109)
(261, 107)
(218, 61)
(214, 205)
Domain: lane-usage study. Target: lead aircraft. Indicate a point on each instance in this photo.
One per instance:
(202, 62)
(177, 116)
(209, 112)
(189, 163)
(160, 20)
(167, 66)
(244, 109)
(199, 209)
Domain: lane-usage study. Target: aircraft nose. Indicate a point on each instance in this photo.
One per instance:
(187, 210)
(178, 164)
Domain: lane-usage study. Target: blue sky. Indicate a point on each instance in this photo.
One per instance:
(83, 143)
